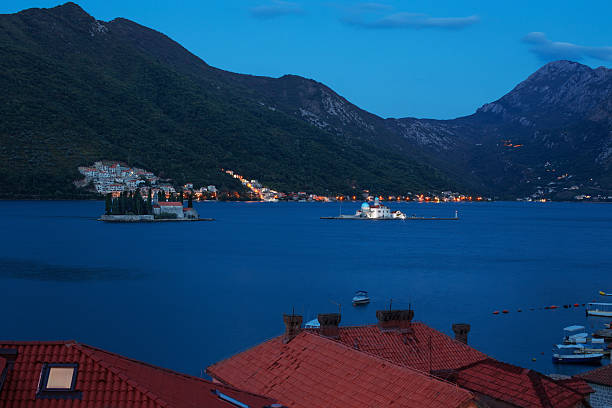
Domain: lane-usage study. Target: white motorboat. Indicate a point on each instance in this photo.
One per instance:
(312, 324)
(361, 298)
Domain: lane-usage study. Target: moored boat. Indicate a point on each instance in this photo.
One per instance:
(312, 324)
(574, 354)
(605, 334)
(361, 298)
(599, 309)
(574, 335)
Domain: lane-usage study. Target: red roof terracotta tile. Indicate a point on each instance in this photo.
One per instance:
(425, 349)
(518, 386)
(601, 375)
(106, 379)
(577, 384)
(429, 350)
(312, 371)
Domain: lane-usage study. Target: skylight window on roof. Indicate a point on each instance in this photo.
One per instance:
(58, 380)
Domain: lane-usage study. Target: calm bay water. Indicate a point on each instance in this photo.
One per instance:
(184, 296)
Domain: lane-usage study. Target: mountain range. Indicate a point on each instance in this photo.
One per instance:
(77, 90)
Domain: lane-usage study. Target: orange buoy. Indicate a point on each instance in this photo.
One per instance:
(576, 305)
(504, 311)
(553, 307)
(496, 312)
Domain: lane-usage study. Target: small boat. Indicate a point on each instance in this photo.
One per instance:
(574, 335)
(597, 346)
(574, 354)
(605, 334)
(312, 324)
(361, 298)
(599, 309)
(602, 293)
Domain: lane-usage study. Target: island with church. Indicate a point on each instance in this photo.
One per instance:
(136, 207)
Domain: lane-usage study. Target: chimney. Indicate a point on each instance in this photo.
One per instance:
(395, 320)
(293, 326)
(461, 332)
(329, 325)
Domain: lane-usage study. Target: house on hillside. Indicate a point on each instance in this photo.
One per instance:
(73, 375)
(395, 363)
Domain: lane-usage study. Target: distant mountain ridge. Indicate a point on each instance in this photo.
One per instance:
(80, 90)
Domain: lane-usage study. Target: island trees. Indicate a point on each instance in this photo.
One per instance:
(129, 203)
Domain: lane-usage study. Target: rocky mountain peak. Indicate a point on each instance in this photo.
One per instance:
(561, 89)
(71, 11)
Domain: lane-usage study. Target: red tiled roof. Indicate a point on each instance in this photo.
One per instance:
(109, 380)
(515, 385)
(169, 203)
(601, 375)
(577, 384)
(312, 371)
(413, 350)
(425, 349)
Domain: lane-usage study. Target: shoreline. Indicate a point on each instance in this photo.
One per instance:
(325, 202)
(152, 221)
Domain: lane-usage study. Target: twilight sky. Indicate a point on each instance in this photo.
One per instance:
(435, 59)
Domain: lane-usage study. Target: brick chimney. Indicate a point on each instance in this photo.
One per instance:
(391, 320)
(293, 326)
(329, 325)
(461, 332)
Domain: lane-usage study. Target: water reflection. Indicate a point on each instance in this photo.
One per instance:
(40, 271)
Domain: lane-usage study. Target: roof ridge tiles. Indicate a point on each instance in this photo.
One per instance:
(162, 369)
(541, 393)
(137, 386)
(37, 343)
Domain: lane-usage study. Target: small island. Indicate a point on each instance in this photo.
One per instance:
(378, 211)
(134, 207)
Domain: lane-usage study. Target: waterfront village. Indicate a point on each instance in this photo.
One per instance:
(114, 177)
(394, 362)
